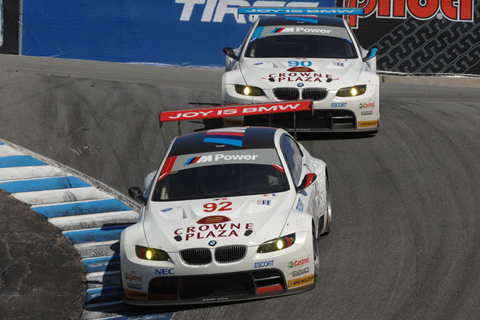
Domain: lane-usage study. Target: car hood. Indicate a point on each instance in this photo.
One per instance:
(325, 73)
(248, 220)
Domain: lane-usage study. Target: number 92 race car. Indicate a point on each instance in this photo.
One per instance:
(306, 58)
(231, 214)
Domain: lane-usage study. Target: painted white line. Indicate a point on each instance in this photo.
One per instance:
(24, 173)
(95, 220)
(103, 279)
(97, 249)
(61, 196)
(6, 151)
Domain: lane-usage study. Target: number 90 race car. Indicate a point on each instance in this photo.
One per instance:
(317, 58)
(231, 214)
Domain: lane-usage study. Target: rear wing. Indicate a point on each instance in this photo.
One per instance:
(234, 111)
(301, 11)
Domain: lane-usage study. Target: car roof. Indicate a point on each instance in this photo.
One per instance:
(228, 138)
(300, 20)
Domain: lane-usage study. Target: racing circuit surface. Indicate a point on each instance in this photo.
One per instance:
(404, 240)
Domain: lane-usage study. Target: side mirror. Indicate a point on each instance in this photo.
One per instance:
(137, 194)
(370, 54)
(307, 181)
(230, 53)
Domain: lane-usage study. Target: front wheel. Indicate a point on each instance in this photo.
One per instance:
(327, 219)
(316, 255)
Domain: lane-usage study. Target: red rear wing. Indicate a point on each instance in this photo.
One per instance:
(235, 110)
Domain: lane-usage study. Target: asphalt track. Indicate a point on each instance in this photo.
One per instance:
(405, 202)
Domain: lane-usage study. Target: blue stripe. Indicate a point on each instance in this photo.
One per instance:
(102, 264)
(231, 142)
(311, 20)
(189, 161)
(95, 235)
(105, 294)
(19, 161)
(2, 144)
(224, 136)
(257, 33)
(43, 184)
(158, 316)
(79, 208)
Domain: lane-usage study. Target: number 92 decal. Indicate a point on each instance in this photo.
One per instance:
(222, 206)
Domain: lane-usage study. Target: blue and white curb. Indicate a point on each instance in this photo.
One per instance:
(88, 212)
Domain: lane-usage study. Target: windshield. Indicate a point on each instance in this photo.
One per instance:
(301, 46)
(227, 180)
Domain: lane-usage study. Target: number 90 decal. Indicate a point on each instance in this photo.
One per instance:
(304, 63)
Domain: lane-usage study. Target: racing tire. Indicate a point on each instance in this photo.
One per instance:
(316, 255)
(327, 219)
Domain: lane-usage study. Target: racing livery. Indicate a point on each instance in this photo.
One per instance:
(231, 214)
(306, 58)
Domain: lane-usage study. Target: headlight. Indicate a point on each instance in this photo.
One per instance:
(277, 244)
(151, 254)
(248, 90)
(352, 91)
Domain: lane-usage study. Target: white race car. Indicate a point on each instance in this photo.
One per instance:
(231, 214)
(306, 58)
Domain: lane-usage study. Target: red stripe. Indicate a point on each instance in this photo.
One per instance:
(226, 133)
(269, 289)
(279, 168)
(167, 168)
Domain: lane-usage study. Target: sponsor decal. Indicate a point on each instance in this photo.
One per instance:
(298, 262)
(134, 286)
(263, 202)
(459, 10)
(216, 230)
(338, 64)
(338, 105)
(367, 124)
(131, 276)
(136, 294)
(300, 205)
(367, 112)
(231, 111)
(300, 69)
(215, 299)
(213, 219)
(217, 11)
(366, 105)
(166, 209)
(263, 264)
(300, 77)
(212, 243)
(318, 30)
(300, 272)
(164, 272)
(301, 281)
(221, 157)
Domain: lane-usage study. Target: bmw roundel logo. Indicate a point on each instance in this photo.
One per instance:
(212, 243)
(300, 85)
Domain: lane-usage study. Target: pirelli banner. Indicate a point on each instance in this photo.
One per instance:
(413, 36)
(420, 36)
